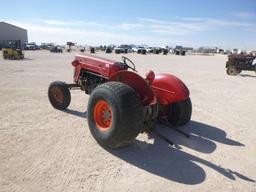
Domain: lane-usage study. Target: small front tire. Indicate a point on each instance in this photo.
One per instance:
(59, 95)
(233, 71)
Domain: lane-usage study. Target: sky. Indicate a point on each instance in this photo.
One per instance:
(221, 23)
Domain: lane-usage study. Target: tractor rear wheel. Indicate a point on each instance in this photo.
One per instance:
(233, 71)
(59, 95)
(180, 112)
(115, 114)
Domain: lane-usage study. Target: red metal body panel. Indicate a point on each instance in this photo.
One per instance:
(164, 88)
(139, 84)
(169, 89)
(95, 64)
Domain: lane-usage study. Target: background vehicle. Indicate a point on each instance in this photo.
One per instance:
(56, 49)
(178, 50)
(134, 49)
(31, 46)
(127, 48)
(141, 50)
(149, 49)
(119, 50)
(108, 49)
(122, 104)
(92, 49)
(81, 48)
(238, 62)
(157, 50)
(165, 51)
(13, 51)
(46, 46)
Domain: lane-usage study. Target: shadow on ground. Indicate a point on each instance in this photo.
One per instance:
(202, 137)
(174, 164)
(247, 75)
(171, 162)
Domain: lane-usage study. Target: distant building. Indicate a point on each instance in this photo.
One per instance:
(12, 34)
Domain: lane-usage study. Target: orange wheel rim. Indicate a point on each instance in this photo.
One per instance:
(102, 115)
(57, 94)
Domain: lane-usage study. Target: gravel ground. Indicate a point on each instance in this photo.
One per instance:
(43, 149)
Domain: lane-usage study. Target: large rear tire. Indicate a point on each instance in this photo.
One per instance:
(180, 112)
(59, 95)
(115, 114)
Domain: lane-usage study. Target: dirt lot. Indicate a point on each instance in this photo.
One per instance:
(43, 149)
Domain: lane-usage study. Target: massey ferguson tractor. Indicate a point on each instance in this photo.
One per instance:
(123, 104)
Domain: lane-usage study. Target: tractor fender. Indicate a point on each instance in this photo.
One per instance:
(139, 84)
(169, 89)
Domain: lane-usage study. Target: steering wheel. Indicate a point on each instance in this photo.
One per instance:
(133, 67)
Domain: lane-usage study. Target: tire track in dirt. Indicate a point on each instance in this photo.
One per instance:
(18, 188)
(73, 159)
(84, 143)
(62, 174)
(53, 152)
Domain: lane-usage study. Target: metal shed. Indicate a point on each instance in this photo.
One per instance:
(12, 34)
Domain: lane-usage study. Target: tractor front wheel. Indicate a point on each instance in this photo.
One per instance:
(59, 95)
(180, 112)
(115, 114)
(233, 71)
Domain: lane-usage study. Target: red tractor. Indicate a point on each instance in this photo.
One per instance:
(122, 104)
